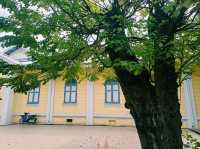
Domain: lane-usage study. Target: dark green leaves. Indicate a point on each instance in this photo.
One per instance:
(61, 35)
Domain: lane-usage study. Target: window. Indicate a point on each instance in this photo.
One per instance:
(33, 96)
(112, 92)
(70, 92)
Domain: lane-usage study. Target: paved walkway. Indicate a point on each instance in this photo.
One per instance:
(67, 137)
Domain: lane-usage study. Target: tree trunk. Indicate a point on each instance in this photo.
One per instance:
(157, 120)
(155, 108)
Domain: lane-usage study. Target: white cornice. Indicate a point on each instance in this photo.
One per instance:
(9, 60)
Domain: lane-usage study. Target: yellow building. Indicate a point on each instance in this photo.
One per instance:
(99, 102)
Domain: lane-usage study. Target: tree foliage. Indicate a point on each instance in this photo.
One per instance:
(148, 44)
(62, 35)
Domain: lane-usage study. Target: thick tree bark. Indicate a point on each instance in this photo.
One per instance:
(141, 101)
(157, 119)
(155, 108)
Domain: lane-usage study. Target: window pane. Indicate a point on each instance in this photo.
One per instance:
(73, 87)
(108, 87)
(36, 98)
(73, 96)
(115, 86)
(37, 89)
(108, 96)
(115, 96)
(67, 88)
(67, 96)
(30, 97)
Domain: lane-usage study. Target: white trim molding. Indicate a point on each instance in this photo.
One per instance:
(90, 96)
(50, 103)
(37, 114)
(190, 104)
(80, 115)
(128, 116)
(9, 60)
(7, 103)
(184, 119)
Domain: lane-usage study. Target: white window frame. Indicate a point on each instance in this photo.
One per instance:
(112, 90)
(32, 94)
(70, 85)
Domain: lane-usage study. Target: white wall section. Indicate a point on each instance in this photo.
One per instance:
(51, 93)
(6, 113)
(190, 105)
(90, 92)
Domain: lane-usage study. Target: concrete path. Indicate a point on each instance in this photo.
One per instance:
(67, 137)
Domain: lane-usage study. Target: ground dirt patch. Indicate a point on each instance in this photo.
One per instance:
(68, 137)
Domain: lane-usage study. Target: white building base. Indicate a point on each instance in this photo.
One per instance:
(6, 113)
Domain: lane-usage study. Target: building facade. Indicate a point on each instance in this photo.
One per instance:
(99, 102)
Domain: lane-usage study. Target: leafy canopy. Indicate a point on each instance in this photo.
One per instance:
(65, 37)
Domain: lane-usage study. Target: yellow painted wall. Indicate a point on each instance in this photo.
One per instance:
(113, 121)
(63, 120)
(182, 106)
(196, 91)
(70, 108)
(20, 104)
(182, 101)
(1, 100)
(102, 108)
